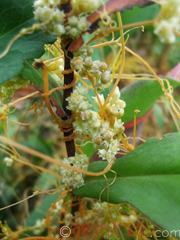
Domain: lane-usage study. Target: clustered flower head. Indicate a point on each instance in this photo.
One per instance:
(52, 18)
(73, 178)
(40, 226)
(96, 69)
(58, 206)
(85, 6)
(105, 134)
(169, 21)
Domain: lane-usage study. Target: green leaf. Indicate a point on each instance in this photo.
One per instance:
(15, 16)
(148, 178)
(45, 181)
(35, 76)
(88, 148)
(159, 116)
(142, 95)
(138, 14)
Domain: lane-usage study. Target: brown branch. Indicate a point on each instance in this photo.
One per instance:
(68, 78)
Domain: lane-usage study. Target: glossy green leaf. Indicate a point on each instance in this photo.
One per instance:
(148, 178)
(35, 76)
(142, 95)
(15, 16)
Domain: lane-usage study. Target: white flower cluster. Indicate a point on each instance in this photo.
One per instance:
(78, 220)
(68, 219)
(71, 177)
(41, 226)
(49, 14)
(8, 161)
(58, 205)
(169, 22)
(102, 206)
(99, 71)
(85, 6)
(105, 135)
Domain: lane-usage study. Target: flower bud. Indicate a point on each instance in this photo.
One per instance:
(73, 21)
(83, 106)
(58, 16)
(82, 24)
(59, 29)
(103, 66)
(120, 104)
(77, 177)
(43, 14)
(82, 90)
(74, 33)
(105, 77)
(89, 51)
(76, 63)
(87, 6)
(98, 140)
(108, 136)
(87, 62)
(115, 96)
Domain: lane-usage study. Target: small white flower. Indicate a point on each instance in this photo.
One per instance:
(43, 14)
(79, 221)
(68, 218)
(59, 204)
(101, 97)
(41, 225)
(133, 218)
(115, 96)
(170, 8)
(84, 106)
(58, 16)
(165, 31)
(97, 206)
(59, 29)
(118, 124)
(120, 103)
(105, 205)
(8, 161)
(82, 90)
(114, 146)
